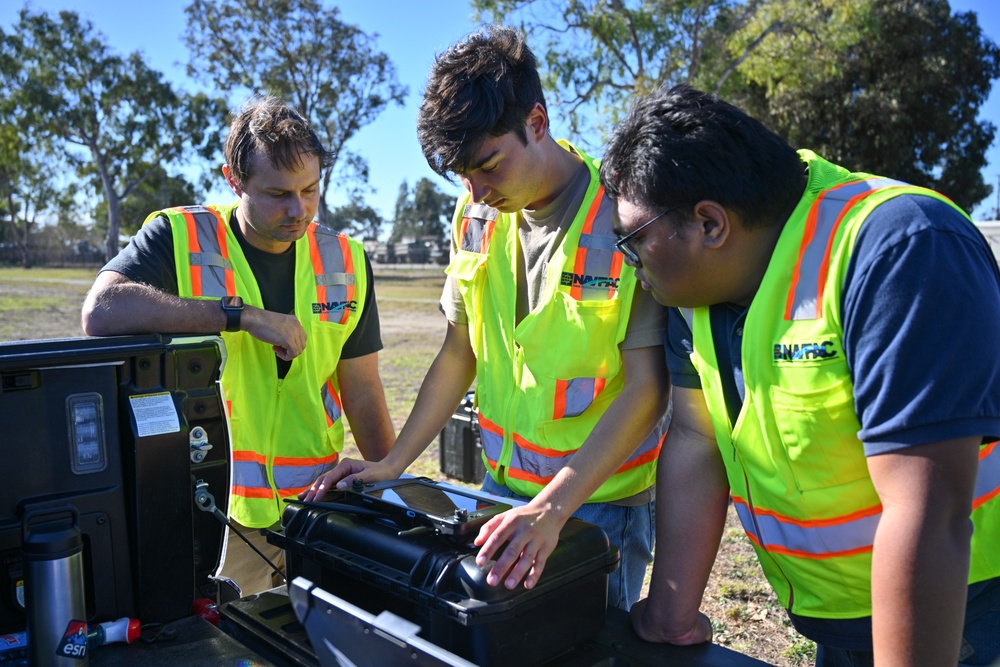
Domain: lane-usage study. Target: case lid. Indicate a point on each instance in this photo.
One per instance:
(439, 572)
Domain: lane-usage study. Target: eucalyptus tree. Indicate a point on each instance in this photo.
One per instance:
(331, 71)
(27, 191)
(596, 54)
(160, 190)
(116, 119)
(423, 211)
(26, 177)
(358, 219)
(888, 86)
(892, 88)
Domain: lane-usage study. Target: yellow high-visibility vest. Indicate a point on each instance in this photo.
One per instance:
(284, 432)
(797, 471)
(544, 382)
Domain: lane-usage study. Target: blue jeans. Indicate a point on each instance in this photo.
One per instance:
(630, 529)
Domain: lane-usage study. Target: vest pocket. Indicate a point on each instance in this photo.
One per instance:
(466, 268)
(572, 339)
(326, 339)
(465, 265)
(819, 434)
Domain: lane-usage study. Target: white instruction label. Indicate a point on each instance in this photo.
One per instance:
(155, 414)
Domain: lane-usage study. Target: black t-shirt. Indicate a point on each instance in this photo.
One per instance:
(149, 259)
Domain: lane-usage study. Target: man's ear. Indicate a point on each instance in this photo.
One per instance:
(537, 122)
(716, 222)
(231, 180)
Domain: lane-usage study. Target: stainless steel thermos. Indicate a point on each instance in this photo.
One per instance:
(52, 553)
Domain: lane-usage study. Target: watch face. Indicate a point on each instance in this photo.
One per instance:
(232, 302)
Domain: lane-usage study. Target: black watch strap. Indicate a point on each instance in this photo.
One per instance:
(232, 306)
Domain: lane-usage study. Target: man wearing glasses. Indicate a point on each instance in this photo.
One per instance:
(622, 244)
(836, 375)
(545, 316)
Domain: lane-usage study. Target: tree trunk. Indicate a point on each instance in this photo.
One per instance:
(114, 205)
(20, 236)
(25, 234)
(323, 212)
(114, 225)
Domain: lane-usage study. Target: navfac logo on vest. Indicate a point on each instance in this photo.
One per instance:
(794, 352)
(334, 307)
(585, 280)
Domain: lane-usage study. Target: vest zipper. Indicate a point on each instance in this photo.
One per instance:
(753, 514)
(508, 435)
(269, 464)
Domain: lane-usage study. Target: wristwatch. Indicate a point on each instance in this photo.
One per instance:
(232, 306)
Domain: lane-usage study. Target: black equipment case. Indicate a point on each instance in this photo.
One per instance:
(435, 583)
(460, 447)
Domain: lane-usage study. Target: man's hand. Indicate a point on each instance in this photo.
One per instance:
(283, 332)
(344, 474)
(651, 628)
(532, 534)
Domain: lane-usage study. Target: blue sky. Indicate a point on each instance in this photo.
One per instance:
(411, 32)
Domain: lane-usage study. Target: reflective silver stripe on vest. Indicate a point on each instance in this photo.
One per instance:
(292, 479)
(335, 277)
(836, 538)
(988, 478)
(538, 465)
(341, 278)
(601, 269)
(210, 258)
(599, 243)
(478, 218)
(579, 394)
(843, 536)
(545, 464)
(826, 214)
(655, 437)
(331, 404)
(250, 475)
(492, 441)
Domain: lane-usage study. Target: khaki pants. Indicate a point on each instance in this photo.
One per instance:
(245, 567)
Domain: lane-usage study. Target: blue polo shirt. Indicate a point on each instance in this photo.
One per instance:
(921, 312)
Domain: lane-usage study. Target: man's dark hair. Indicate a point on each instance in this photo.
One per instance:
(273, 128)
(483, 86)
(681, 146)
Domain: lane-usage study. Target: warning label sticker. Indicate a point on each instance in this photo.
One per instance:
(155, 414)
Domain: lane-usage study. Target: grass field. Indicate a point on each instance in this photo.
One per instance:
(45, 303)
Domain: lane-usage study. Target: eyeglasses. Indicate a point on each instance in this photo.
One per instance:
(622, 246)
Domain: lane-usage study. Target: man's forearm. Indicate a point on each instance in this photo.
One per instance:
(692, 498)
(129, 308)
(919, 586)
(691, 490)
(920, 557)
(116, 306)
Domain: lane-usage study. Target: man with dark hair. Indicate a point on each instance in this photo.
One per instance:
(567, 353)
(296, 303)
(822, 380)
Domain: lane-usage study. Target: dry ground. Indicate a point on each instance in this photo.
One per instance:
(45, 303)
